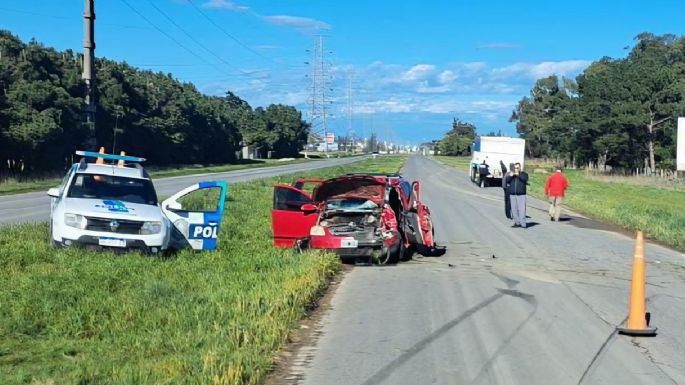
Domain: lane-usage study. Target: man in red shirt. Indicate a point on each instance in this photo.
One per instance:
(554, 189)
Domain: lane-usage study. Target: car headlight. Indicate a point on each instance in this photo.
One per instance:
(317, 231)
(75, 220)
(153, 227)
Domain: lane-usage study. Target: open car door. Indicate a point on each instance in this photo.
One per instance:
(307, 185)
(421, 225)
(292, 216)
(196, 214)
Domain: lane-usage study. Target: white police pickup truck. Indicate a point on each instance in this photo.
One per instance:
(115, 206)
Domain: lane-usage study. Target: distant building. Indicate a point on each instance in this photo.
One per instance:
(321, 147)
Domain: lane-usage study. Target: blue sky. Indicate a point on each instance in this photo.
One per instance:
(414, 64)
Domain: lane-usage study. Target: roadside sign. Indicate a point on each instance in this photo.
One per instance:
(680, 151)
(330, 137)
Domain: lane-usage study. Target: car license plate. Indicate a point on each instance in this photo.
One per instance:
(349, 243)
(112, 242)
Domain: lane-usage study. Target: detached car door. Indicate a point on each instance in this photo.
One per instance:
(419, 218)
(292, 216)
(196, 213)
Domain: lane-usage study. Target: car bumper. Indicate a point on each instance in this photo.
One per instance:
(94, 242)
(363, 248)
(68, 237)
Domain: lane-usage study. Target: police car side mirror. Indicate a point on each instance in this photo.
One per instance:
(53, 192)
(174, 206)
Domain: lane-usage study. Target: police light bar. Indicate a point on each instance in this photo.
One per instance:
(125, 158)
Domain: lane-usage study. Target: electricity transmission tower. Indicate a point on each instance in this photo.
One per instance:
(320, 88)
(350, 128)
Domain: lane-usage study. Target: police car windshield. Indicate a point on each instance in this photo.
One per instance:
(96, 186)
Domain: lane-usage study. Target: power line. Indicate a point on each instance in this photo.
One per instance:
(235, 39)
(173, 39)
(195, 40)
(57, 17)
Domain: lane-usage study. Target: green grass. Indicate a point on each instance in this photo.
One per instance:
(12, 186)
(74, 316)
(657, 209)
(460, 162)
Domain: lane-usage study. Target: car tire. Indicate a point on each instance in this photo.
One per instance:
(406, 253)
(387, 257)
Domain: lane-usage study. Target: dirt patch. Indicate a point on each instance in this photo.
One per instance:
(302, 341)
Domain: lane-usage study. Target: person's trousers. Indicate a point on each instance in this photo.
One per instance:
(507, 204)
(555, 207)
(518, 209)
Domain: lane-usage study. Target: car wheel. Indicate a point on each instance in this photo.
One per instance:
(387, 257)
(404, 253)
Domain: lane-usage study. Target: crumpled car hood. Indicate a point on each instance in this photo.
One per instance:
(367, 187)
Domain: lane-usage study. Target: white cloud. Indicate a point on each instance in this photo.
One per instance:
(543, 69)
(446, 76)
(297, 22)
(418, 72)
(474, 91)
(428, 89)
(295, 98)
(477, 107)
(561, 68)
(227, 5)
(391, 105)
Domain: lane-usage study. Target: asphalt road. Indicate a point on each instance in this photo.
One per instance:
(35, 206)
(503, 306)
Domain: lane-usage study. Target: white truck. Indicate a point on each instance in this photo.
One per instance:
(492, 150)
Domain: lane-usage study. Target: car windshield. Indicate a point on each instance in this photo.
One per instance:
(351, 204)
(96, 186)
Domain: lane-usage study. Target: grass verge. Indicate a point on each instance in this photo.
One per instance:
(657, 210)
(74, 316)
(12, 186)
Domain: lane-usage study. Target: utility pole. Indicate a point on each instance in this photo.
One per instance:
(89, 69)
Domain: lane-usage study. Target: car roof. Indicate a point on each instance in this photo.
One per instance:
(111, 169)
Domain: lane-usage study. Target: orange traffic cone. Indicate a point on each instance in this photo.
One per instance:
(120, 163)
(100, 160)
(638, 319)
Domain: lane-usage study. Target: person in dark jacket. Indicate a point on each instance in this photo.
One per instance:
(505, 187)
(517, 181)
(483, 171)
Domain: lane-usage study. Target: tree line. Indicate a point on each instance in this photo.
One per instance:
(619, 112)
(145, 113)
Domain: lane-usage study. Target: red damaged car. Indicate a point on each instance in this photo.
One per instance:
(361, 217)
